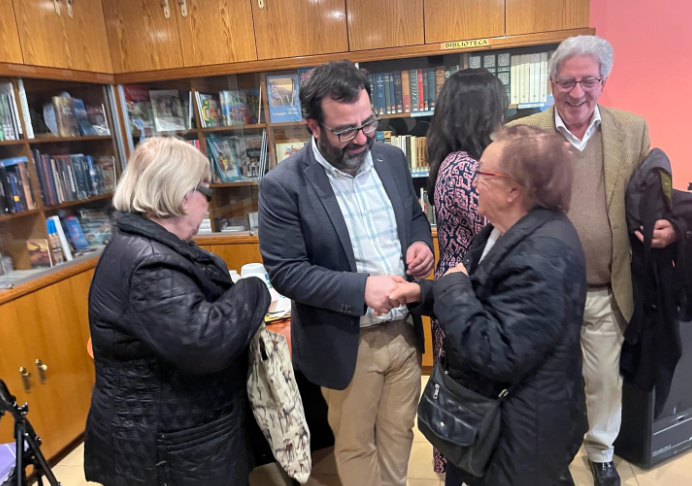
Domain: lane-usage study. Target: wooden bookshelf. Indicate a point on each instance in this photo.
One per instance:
(51, 139)
(234, 184)
(78, 202)
(256, 126)
(11, 143)
(23, 214)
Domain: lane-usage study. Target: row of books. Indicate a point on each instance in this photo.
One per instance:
(413, 147)
(236, 158)
(65, 178)
(229, 108)
(162, 110)
(410, 91)
(71, 117)
(68, 237)
(10, 127)
(428, 208)
(16, 191)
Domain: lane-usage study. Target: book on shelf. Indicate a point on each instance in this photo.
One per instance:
(284, 103)
(139, 110)
(285, 149)
(235, 158)
(39, 253)
(85, 126)
(24, 103)
(96, 114)
(240, 107)
(406, 91)
(65, 116)
(209, 110)
(74, 233)
(55, 230)
(96, 225)
(195, 143)
(414, 150)
(169, 110)
(16, 189)
(427, 208)
(10, 126)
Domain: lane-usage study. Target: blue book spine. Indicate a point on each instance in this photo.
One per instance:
(398, 94)
(379, 86)
(74, 232)
(16, 198)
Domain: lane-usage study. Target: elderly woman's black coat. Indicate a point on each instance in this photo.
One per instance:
(518, 317)
(170, 334)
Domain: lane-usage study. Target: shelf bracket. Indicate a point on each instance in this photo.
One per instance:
(166, 9)
(183, 8)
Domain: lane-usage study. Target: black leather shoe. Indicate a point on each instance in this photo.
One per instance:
(604, 474)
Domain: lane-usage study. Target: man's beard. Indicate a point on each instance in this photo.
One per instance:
(340, 158)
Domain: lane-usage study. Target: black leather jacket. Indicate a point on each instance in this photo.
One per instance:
(170, 334)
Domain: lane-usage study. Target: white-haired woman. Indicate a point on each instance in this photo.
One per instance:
(170, 335)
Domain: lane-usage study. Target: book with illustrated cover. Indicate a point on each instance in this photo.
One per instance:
(39, 253)
(85, 126)
(224, 158)
(169, 110)
(304, 73)
(105, 165)
(285, 149)
(75, 234)
(65, 116)
(139, 109)
(240, 107)
(284, 104)
(210, 113)
(98, 119)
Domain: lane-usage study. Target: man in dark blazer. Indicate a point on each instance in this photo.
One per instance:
(339, 227)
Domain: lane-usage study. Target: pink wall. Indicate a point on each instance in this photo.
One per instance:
(652, 71)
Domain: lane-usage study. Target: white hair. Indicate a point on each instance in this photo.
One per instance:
(583, 45)
(159, 173)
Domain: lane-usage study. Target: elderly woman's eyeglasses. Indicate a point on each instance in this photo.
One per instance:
(587, 84)
(207, 191)
(350, 133)
(489, 174)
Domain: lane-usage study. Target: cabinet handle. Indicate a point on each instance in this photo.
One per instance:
(166, 9)
(69, 8)
(58, 7)
(25, 379)
(42, 368)
(260, 4)
(183, 8)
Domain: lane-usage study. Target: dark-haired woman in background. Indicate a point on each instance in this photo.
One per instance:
(471, 106)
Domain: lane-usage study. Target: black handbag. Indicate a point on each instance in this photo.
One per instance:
(463, 425)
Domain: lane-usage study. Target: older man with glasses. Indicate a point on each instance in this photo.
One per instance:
(611, 145)
(339, 227)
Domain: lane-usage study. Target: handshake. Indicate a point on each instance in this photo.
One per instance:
(386, 292)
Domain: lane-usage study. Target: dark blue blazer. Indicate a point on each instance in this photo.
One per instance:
(307, 252)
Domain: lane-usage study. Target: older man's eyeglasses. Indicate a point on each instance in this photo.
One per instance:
(206, 191)
(350, 133)
(587, 84)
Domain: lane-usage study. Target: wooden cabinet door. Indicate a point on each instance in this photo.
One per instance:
(217, 32)
(289, 28)
(18, 337)
(42, 33)
(141, 37)
(529, 16)
(385, 23)
(463, 19)
(86, 31)
(10, 50)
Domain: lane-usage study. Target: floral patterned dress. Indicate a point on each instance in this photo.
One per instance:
(458, 222)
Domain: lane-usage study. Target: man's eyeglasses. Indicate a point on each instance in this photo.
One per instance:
(587, 84)
(350, 133)
(489, 174)
(207, 191)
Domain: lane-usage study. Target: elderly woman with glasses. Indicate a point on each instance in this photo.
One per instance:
(512, 311)
(170, 335)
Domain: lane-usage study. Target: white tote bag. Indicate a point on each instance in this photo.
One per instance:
(277, 405)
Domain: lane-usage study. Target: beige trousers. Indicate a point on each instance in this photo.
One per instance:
(601, 341)
(373, 418)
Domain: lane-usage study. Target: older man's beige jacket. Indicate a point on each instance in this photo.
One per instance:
(625, 146)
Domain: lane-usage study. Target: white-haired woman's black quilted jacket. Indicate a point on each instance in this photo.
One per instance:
(170, 335)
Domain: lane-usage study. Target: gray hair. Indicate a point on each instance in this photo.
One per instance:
(583, 45)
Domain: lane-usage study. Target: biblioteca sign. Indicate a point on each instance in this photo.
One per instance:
(465, 44)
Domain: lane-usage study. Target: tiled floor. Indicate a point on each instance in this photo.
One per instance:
(674, 473)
